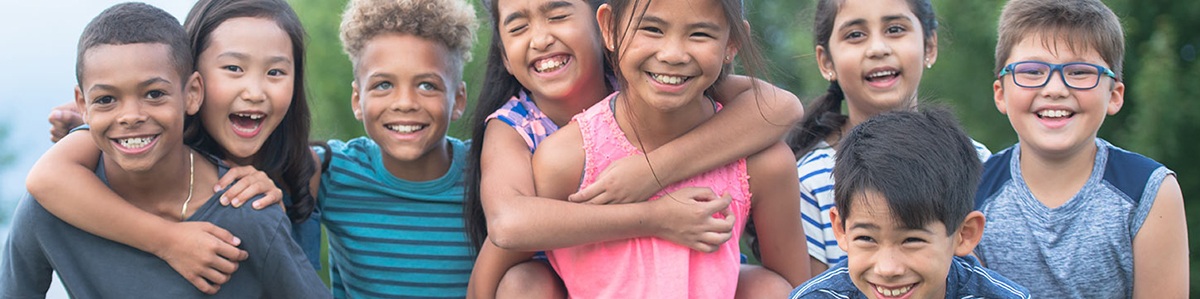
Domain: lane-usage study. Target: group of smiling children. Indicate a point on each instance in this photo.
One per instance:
(664, 160)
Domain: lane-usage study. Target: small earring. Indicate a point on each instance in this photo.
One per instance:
(830, 77)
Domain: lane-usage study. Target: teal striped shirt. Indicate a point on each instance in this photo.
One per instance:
(390, 237)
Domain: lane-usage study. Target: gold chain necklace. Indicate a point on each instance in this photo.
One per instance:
(191, 183)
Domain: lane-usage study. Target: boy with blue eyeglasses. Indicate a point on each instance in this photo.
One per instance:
(1069, 215)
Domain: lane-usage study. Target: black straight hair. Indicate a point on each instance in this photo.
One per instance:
(921, 162)
(285, 155)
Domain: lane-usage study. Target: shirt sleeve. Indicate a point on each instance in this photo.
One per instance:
(292, 275)
(26, 272)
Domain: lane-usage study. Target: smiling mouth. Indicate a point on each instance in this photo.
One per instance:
(882, 75)
(406, 129)
(894, 292)
(1055, 113)
(246, 122)
(136, 142)
(550, 64)
(669, 79)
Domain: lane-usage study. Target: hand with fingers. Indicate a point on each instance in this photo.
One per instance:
(627, 180)
(695, 217)
(244, 183)
(206, 255)
(62, 119)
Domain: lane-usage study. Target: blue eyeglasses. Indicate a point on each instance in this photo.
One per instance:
(1035, 74)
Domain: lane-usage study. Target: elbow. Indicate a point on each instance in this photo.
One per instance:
(500, 232)
(792, 110)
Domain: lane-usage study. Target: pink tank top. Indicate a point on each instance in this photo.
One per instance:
(649, 267)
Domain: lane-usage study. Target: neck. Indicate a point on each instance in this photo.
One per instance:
(1054, 179)
(163, 189)
(858, 115)
(429, 166)
(560, 110)
(649, 128)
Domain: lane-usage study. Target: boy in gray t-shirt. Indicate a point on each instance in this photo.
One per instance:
(136, 84)
(1068, 214)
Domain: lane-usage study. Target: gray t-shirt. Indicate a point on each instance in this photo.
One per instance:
(1082, 249)
(93, 267)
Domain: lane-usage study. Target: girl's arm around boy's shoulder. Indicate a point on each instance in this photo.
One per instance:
(775, 210)
(1160, 249)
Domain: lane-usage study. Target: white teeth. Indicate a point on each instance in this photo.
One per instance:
(405, 128)
(550, 64)
(250, 116)
(668, 79)
(881, 74)
(893, 292)
(1053, 113)
(137, 142)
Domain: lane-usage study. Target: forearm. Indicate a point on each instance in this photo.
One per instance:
(754, 120)
(89, 204)
(491, 265)
(535, 223)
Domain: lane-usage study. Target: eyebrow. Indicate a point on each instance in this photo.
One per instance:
(140, 85)
(700, 25)
(279, 59)
(237, 55)
(890, 18)
(553, 5)
(430, 76)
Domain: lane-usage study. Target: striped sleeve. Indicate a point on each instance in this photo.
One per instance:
(815, 171)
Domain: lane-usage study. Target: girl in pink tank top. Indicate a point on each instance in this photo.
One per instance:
(669, 53)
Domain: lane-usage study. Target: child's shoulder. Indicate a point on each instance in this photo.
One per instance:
(833, 283)
(969, 279)
(1130, 172)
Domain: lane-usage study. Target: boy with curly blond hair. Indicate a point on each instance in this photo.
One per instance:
(392, 201)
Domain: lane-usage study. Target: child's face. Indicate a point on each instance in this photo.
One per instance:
(1055, 120)
(674, 53)
(134, 100)
(877, 53)
(248, 74)
(552, 46)
(406, 94)
(888, 260)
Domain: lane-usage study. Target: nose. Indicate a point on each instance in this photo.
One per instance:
(405, 102)
(1056, 86)
(253, 90)
(878, 48)
(541, 39)
(672, 51)
(132, 113)
(889, 263)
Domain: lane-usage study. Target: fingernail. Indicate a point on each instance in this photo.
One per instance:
(216, 188)
(237, 241)
(224, 201)
(237, 202)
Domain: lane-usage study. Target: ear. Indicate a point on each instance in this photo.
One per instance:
(81, 103)
(731, 49)
(604, 18)
(969, 233)
(354, 100)
(460, 101)
(839, 230)
(931, 50)
(195, 93)
(1118, 97)
(998, 95)
(825, 64)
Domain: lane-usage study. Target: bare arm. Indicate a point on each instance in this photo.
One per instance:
(491, 265)
(776, 200)
(754, 120)
(199, 251)
(1160, 249)
(518, 221)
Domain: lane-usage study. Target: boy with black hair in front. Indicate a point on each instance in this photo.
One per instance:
(904, 197)
(136, 89)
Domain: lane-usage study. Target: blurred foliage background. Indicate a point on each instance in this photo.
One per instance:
(1161, 43)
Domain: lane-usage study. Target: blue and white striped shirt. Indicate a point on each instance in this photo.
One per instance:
(815, 170)
(390, 237)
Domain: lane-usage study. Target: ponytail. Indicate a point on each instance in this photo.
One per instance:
(825, 119)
